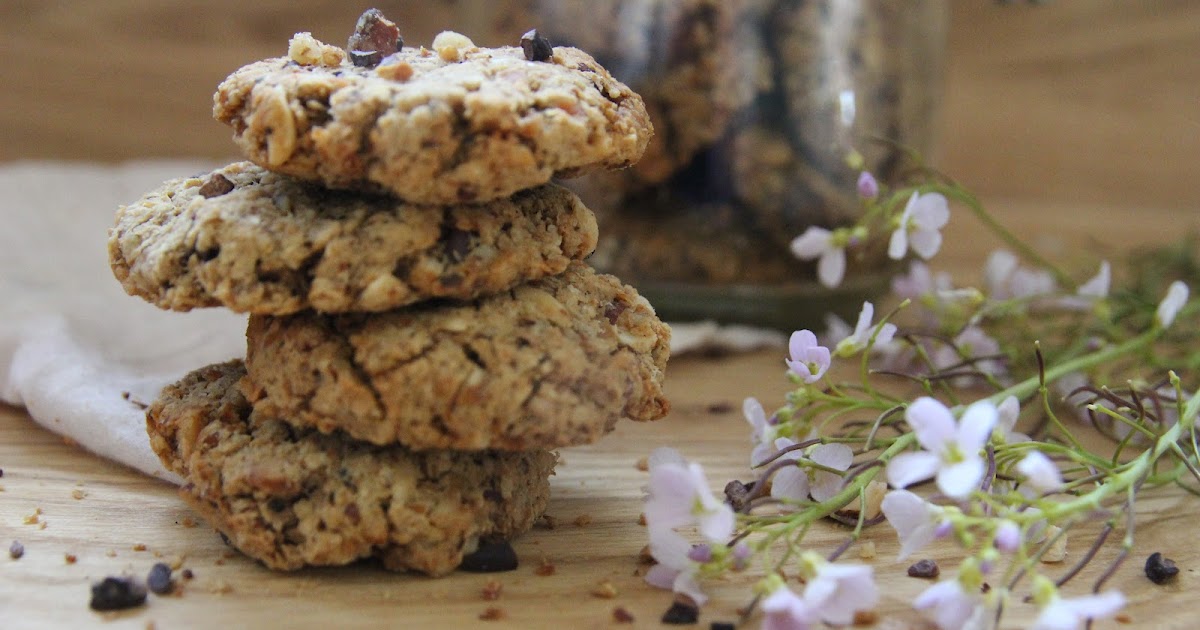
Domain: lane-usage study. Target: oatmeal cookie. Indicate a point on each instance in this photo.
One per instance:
(292, 498)
(551, 363)
(454, 124)
(259, 242)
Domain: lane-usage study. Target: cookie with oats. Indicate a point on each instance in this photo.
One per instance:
(551, 363)
(260, 242)
(457, 123)
(292, 498)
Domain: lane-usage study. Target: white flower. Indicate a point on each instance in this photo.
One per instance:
(1098, 286)
(763, 432)
(951, 606)
(1005, 278)
(836, 591)
(836, 329)
(1040, 472)
(1177, 296)
(1007, 413)
(971, 343)
(863, 331)
(829, 248)
(675, 570)
(784, 610)
(1060, 613)
(951, 449)
(796, 483)
(919, 227)
(809, 360)
(917, 522)
(679, 496)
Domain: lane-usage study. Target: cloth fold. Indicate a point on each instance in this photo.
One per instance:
(82, 356)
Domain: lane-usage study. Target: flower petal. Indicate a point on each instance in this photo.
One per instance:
(975, 426)
(931, 211)
(790, 484)
(752, 410)
(906, 469)
(1098, 606)
(1176, 297)
(813, 243)
(1040, 472)
(665, 455)
(831, 268)
(837, 456)
(898, 244)
(685, 583)
(717, 524)
(662, 576)
(1007, 413)
(932, 422)
(958, 481)
(925, 243)
(672, 495)
(1098, 285)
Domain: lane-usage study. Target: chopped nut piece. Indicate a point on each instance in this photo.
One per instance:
(583, 520)
(546, 568)
(620, 615)
(549, 521)
(719, 407)
(78, 494)
(642, 519)
(220, 587)
(926, 569)
(536, 47)
(32, 519)
(491, 590)
(188, 574)
(866, 550)
(307, 50)
(451, 46)
(215, 186)
(16, 550)
(865, 617)
(139, 547)
(188, 522)
(70, 558)
(493, 613)
(395, 71)
(604, 590)
(1123, 618)
(176, 563)
(374, 38)
(111, 553)
(645, 557)
(1058, 549)
(642, 464)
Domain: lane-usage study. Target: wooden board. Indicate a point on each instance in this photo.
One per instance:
(120, 510)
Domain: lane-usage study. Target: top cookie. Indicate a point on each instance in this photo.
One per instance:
(450, 125)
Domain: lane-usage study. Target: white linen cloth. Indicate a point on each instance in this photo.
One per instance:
(82, 356)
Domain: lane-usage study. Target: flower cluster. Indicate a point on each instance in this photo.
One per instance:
(984, 458)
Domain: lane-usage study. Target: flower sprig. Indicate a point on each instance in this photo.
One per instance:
(944, 379)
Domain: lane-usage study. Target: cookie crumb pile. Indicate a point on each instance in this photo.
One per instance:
(423, 330)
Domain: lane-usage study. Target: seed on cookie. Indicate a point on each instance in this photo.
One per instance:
(450, 46)
(536, 47)
(374, 38)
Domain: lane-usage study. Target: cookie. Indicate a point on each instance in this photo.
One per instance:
(292, 498)
(259, 242)
(547, 364)
(455, 124)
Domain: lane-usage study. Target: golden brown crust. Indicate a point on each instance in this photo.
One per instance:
(293, 498)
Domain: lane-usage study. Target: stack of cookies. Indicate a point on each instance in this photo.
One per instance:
(423, 331)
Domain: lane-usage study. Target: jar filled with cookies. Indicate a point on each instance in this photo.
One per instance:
(757, 106)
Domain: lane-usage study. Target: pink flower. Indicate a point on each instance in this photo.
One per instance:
(952, 606)
(923, 217)
(679, 496)
(830, 250)
(1040, 472)
(1008, 536)
(863, 331)
(784, 610)
(951, 450)
(868, 187)
(795, 483)
(675, 569)
(917, 522)
(971, 343)
(1177, 296)
(809, 359)
(1006, 279)
(1060, 613)
(763, 432)
(836, 591)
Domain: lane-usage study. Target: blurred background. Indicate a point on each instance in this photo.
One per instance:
(1080, 101)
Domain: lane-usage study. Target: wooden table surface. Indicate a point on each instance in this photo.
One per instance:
(597, 486)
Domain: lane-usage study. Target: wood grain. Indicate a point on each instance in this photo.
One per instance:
(1090, 101)
(121, 509)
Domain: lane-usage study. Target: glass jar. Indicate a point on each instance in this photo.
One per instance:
(757, 105)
